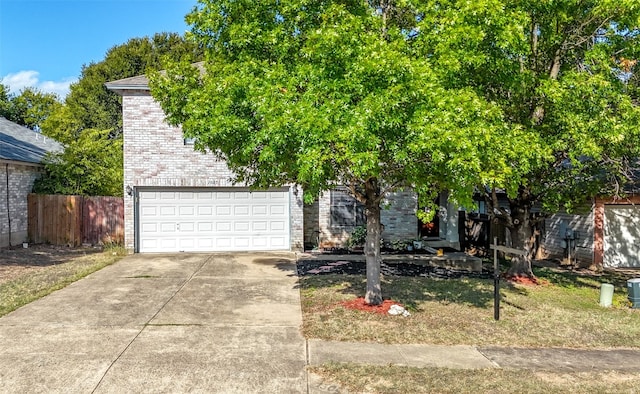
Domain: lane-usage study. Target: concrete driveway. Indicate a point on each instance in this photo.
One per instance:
(163, 323)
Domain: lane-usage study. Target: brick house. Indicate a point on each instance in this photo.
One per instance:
(21, 153)
(177, 199)
(605, 234)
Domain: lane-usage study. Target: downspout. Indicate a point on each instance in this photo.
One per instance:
(8, 208)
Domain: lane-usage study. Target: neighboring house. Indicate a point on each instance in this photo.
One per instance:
(177, 199)
(21, 154)
(604, 233)
(608, 235)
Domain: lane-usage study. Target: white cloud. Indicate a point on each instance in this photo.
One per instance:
(22, 79)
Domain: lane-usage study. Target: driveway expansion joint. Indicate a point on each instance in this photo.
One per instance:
(148, 323)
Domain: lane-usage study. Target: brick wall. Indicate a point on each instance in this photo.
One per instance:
(21, 178)
(398, 217)
(311, 225)
(155, 156)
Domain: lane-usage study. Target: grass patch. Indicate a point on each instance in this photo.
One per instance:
(394, 379)
(563, 313)
(33, 285)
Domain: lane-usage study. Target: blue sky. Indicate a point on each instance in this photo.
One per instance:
(44, 43)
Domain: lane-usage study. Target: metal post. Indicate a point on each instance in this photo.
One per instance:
(496, 281)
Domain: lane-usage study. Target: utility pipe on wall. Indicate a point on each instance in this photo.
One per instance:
(8, 207)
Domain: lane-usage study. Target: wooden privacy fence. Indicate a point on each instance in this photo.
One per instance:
(74, 220)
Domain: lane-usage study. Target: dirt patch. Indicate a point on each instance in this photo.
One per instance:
(527, 280)
(361, 305)
(17, 261)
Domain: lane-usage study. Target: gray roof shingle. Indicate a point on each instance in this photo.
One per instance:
(137, 82)
(140, 82)
(18, 143)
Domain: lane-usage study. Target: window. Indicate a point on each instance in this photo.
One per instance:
(346, 211)
(189, 141)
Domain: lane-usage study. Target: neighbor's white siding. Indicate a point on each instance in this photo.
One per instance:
(554, 230)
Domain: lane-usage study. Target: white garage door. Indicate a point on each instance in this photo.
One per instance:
(621, 236)
(212, 220)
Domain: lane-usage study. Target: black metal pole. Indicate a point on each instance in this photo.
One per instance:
(496, 281)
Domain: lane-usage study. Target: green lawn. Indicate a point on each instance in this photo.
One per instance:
(395, 379)
(563, 312)
(36, 284)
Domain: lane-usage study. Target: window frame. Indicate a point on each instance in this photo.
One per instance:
(344, 210)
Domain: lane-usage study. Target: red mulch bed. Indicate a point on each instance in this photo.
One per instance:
(360, 305)
(526, 280)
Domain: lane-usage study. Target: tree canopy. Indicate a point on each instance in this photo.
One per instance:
(327, 93)
(28, 108)
(563, 71)
(89, 123)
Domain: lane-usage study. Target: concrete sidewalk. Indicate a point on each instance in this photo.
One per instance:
(471, 357)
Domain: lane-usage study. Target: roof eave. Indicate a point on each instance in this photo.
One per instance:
(127, 87)
(20, 162)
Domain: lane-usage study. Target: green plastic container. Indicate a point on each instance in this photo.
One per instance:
(633, 287)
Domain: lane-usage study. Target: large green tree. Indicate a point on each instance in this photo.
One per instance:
(560, 70)
(89, 124)
(29, 108)
(324, 93)
(89, 165)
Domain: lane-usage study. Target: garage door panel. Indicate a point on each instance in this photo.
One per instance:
(241, 210)
(149, 244)
(167, 243)
(213, 220)
(205, 244)
(242, 226)
(186, 243)
(150, 227)
(223, 243)
(149, 211)
(207, 196)
(222, 227)
(259, 243)
(167, 210)
(187, 227)
(148, 196)
(241, 242)
(278, 242)
(279, 196)
(168, 227)
(260, 210)
(186, 211)
(259, 226)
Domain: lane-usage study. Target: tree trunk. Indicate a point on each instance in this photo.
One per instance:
(373, 295)
(522, 239)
